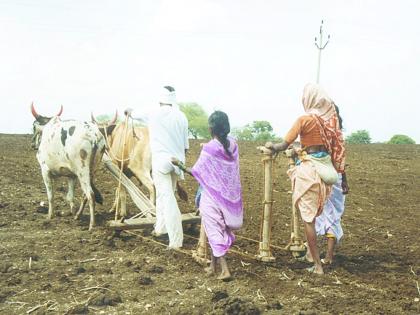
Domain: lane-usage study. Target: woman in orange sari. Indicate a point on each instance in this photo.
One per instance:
(321, 157)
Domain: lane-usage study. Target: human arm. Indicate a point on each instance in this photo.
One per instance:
(181, 166)
(344, 184)
(144, 119)
(289, 139)
(277, 147)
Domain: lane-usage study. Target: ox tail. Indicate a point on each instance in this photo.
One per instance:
(94, 159)
(98, 197)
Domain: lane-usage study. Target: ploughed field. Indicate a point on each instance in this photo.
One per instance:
(59, 267)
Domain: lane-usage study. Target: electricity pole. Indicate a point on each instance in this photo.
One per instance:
(320, 46)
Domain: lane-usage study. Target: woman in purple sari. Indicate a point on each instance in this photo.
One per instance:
(217, 171)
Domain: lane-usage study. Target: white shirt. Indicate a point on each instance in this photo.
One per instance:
(168, 129)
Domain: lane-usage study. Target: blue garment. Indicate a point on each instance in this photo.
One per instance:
(318, 155)
(198, 196)
(329, 221)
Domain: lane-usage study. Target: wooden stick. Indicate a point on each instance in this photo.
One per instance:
(16, 302)
(140, 199)
(295, 245)
(118, 195)
(38, 307)
(94, 288)
(200, 255)
(92, 259)
(266, 224)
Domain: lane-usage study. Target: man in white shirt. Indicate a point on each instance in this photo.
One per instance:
(168, 129)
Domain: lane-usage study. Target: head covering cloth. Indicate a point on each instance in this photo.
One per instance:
(168, 97)
(318, 104)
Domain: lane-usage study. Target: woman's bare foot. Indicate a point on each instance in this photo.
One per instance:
(317, 269)
(308, 257)
(326, 261)
(211, 270)
(225, 276)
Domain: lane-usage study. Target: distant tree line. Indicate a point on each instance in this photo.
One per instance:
(363, 137)
(258, 130)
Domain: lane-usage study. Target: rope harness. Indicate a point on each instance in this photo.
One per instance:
(108, 144)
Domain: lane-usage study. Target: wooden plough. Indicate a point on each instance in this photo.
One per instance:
(147, 216)
(296, 245)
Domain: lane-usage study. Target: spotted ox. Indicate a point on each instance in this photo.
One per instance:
(129, 147)
(71, 149)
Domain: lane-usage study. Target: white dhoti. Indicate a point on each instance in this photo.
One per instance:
(168, 216)
(329, 222)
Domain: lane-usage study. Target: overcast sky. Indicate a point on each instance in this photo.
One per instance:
(248, 58)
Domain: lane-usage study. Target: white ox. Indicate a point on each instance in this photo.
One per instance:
(71, 149)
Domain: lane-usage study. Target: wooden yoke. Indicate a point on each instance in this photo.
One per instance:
(295, 245)
(266, 220)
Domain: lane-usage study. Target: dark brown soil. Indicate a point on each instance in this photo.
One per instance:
(74, 271)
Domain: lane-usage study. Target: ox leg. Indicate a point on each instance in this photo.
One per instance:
(81, 208)
(70, 193)
(84, 179)
(92, 211)
(123, 202)
(49, 185)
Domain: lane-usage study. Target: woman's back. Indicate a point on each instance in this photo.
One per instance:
(307, 128)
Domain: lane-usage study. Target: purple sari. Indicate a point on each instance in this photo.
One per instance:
(221, 200)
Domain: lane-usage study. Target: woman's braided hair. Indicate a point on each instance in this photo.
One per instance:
(220, 127)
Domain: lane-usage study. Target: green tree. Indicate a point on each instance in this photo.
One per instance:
(260, 126)
(359, 137)
(103, 118)
(259, 130)
(262, 131)
(244, 133)
(401, 139)
(197, 120)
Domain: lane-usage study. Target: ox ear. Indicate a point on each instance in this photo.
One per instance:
(42, 120)
(106, 131)
(110, 129)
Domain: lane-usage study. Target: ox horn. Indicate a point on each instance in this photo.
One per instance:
(61, 111)
(33, 111)
(93, 118)
(113, 121)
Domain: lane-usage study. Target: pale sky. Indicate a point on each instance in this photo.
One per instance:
(250, 59)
